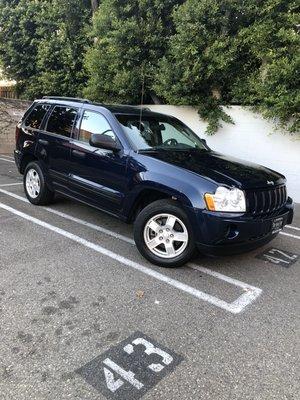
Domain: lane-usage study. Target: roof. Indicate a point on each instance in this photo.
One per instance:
(122, 109)
(113, 108)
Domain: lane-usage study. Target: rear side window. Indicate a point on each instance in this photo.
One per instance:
(36, 116)
(61, 120)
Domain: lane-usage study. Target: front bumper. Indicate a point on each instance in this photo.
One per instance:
(223, 234)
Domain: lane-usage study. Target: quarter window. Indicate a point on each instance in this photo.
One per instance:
(94, 123)
(36, 116)
(62, 120)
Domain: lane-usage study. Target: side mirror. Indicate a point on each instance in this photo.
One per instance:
(204, 141)
(104, 142)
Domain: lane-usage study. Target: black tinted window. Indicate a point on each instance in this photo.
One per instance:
(94, 123)
(61, 120)
(36, 116)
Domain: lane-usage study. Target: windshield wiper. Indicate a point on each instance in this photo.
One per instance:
(158, 148)
(151, 149)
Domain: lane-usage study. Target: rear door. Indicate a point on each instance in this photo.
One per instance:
(98, 176)
(54, 144)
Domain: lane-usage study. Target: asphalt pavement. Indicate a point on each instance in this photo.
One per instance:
(84, 316)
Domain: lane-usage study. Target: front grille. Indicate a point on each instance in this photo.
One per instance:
(266, 201)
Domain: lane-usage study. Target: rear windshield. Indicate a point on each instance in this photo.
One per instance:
(36, 115)
(159, 132)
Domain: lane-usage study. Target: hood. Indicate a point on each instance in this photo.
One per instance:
(221, 169)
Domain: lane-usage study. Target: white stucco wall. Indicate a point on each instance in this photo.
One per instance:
(252, 138)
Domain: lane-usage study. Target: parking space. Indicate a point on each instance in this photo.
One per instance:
(84, 316)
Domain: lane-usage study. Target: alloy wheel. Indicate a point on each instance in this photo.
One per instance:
(166, 235)
(33, 183)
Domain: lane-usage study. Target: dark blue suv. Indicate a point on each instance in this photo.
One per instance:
(150, 169)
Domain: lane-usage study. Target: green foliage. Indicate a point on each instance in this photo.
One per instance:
(130, 37)
(42, 45)
(232, 51)
(18, 39)
(60, 52)
(273, 43)
(208, 53)
(201, 61)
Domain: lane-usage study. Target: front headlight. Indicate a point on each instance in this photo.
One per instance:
(227, 200)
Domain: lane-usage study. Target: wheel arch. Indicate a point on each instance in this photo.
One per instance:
(148, 195)
(26, 159)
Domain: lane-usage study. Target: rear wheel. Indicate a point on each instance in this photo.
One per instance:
(36, 189)
(163, 234)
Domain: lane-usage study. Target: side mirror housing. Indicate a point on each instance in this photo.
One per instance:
(104, 142)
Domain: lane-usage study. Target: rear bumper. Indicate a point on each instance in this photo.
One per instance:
(17, 157)
(221, 234)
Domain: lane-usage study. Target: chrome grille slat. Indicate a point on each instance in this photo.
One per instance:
(255, 203)
(263, 201)
(275, 199)
(280, 195)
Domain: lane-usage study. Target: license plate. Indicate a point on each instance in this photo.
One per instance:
(277, 225)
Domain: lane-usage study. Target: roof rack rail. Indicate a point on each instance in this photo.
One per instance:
(67, 99)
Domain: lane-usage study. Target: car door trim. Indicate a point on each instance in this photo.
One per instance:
(93, 187)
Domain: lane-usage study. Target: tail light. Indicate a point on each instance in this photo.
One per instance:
(18, 132)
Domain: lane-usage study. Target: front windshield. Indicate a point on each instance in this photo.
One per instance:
(159, 132)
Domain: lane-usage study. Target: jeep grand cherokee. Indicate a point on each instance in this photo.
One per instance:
(150, 169)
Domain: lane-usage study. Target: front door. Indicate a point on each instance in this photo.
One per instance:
(98, 176)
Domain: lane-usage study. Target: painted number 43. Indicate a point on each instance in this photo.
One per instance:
(115, 376)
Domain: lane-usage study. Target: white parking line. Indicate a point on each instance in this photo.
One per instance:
(7, 156)
(244, 298)
(90, 225)
(293, 227)
(251, 292)
(74, 219)
(290, 235)
(6, 159)
(16, 196)
(11, 184)
(235, 307)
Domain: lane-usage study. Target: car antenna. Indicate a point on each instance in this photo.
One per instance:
(142, 96)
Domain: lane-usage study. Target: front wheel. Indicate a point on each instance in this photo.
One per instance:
(163, 234)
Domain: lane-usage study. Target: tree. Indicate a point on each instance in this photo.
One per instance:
(202, 62)
(232, 51)
(60, 51)
(130, 37)
(19, 39)
(42, 45)
(207, 53)
(273, 42)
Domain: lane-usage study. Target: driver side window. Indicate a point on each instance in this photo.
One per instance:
(93, 122)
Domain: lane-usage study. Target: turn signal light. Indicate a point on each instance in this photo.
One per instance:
(210, 204)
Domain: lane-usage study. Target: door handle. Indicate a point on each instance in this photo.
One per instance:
(44, 142)
(78, 153)
(28, 131)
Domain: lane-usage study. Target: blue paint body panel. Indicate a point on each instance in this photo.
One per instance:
(114, 181)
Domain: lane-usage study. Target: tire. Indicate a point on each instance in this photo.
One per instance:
(35, 187)
(155, 225)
